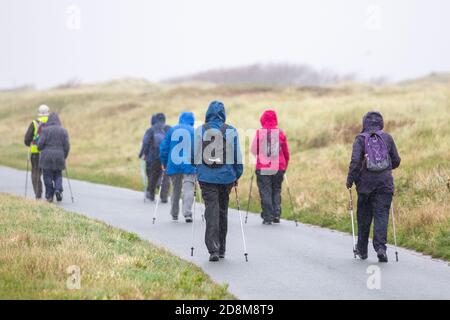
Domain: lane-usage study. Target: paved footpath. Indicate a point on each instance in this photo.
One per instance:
(285, 262)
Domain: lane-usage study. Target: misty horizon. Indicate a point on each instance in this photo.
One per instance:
(49, 43)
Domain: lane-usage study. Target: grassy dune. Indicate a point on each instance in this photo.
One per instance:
(38, 242)
(106, 123)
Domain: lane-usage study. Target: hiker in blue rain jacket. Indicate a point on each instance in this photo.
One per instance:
(375, 188)
(217, 174)
(150, 153)
(176, 153)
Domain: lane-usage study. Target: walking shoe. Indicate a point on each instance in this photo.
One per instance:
(59, 196)
(174, 218)
(276, 220)
(188, 219)
(49, 200)
(362, 256)
(267, 222)
(382, 256)
(214, 257)
(222, 255)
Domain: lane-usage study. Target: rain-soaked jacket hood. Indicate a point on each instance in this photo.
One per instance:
(187, 118)
(216, 113)
(158, 118)
(269, 119)
(53, 120)
(372, 121)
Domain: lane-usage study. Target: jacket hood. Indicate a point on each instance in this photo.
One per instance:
(269, 119)
(216, 112)
(373, 121)
(158, 118)
(153, 119)
(187, 118)
(53, 120)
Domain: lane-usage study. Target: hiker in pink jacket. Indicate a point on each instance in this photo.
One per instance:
(271, 149)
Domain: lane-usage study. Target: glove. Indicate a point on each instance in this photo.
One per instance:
(349, 184)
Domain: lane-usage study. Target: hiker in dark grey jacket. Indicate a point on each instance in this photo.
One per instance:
(54, 148)
(150, 153)
(375, 188)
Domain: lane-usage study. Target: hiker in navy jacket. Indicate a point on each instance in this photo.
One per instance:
(216, 180)
(150, 153)
(375, 188)
(176, 154)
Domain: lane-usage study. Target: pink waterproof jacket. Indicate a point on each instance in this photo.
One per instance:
(278, 156)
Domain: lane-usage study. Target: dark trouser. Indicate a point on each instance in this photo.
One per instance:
(373, 206)
(216, 198)
(36, 175)
(269, 186)
(154, 174)
(53, 182)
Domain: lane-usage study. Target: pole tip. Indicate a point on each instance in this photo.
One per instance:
(192, 251)
(246, 257)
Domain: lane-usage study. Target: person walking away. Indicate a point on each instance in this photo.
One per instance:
(54, 147)
(150, 152)
(271, 149)
(31, 139)
(219, 166)
(374, 156)
(176, 154)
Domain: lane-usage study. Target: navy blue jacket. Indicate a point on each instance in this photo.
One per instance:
(157, 120)
(368, 181)
(228, 173)
(178, 161)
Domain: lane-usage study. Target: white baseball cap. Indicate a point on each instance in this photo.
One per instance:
(43, 110)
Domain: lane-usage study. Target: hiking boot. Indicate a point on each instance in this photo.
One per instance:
(214, 257)
(360, 254)
(276, 220)
(267, 222)
(382, 256)
(188, 219)
(59, 196)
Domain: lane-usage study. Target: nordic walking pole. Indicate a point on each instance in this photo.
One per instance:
(70, 187)
(144, 177)
(395, 231)
(350, 208)
(26, 177)
(159, 197)
(193, 218)
(249, 196)
(290, 199)
(242, 225)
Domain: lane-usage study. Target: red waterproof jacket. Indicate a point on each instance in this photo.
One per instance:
(275, 154)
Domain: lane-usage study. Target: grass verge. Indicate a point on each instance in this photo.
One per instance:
(39, 242)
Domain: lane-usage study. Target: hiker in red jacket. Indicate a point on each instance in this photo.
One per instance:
(271, 149)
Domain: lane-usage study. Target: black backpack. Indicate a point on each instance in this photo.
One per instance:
(217, 158)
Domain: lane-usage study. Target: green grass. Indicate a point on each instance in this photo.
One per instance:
(106, 123)
(38, 242)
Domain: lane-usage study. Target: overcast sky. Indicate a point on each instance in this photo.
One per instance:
(47, 42)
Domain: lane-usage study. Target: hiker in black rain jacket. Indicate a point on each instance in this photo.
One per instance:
(375, 189)
(54, 147)
(150, 153)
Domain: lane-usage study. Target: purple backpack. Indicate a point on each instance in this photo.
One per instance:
(376, 152)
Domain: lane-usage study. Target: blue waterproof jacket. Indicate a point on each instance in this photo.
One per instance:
(228, 173)
(177, 147)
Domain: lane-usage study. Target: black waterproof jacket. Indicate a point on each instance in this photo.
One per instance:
(367, 181)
